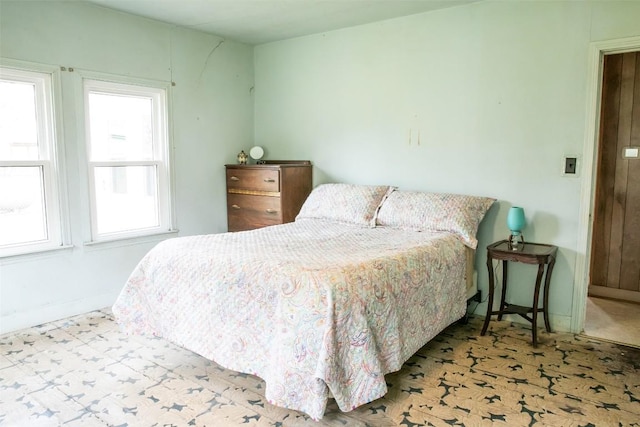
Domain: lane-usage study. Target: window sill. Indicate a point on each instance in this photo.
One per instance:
(90, 246)
(26, 256)
(129, 241)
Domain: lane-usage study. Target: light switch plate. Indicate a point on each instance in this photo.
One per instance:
(570, 165)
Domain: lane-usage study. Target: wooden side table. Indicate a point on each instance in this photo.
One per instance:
(528, 253)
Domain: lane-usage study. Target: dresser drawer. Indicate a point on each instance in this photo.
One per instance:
(265, 194)
(253, 179)
(246, 212)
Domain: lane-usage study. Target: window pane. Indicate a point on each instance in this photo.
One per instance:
(126, 198)
(18, 127)
(120, 127)
(22, 212)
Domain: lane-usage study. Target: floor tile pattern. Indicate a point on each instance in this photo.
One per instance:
(83, 371)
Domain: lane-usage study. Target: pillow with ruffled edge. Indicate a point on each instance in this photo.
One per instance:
(345, 203)
(454, 213)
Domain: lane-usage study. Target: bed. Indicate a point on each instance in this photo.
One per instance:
(321, 307)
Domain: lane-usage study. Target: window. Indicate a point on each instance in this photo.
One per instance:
(29, 205)
(128, 169)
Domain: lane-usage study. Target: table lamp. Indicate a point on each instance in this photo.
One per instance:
(515, 222)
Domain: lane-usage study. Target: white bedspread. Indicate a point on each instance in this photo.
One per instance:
(309, 306)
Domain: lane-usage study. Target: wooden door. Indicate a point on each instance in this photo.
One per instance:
(615, 255)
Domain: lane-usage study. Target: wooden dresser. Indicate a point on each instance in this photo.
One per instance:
(266, 194)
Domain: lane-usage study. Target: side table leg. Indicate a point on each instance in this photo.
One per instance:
(536, 297)
(545, 302)
(504, 289)
(487, 318)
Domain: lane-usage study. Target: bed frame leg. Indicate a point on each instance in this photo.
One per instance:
(476, 298)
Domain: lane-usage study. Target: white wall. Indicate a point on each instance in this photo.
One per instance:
(495, 90)
(212, 119)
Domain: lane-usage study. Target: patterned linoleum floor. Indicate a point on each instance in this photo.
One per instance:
(83, 371)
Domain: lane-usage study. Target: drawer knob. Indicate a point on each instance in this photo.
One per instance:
(235, 207)
(234, 178)
(269, 180)
(271, 211)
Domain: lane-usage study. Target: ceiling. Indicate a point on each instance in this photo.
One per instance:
(262, 21)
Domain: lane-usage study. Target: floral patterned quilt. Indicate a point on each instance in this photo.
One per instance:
(311, 307)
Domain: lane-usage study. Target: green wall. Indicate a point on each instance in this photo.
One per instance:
(482, 99)
(212, 118)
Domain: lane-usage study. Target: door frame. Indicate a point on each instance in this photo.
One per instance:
(597, 50)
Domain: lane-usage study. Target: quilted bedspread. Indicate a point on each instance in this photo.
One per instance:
(310, 307)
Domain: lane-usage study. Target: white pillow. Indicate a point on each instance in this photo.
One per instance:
(345, 203)
(420, 211)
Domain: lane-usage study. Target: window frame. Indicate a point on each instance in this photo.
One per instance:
(46, 81)
(159, 92)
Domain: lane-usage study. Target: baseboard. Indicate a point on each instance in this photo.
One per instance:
(558, 323)
(50, 313)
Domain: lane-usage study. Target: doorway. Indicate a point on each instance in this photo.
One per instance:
(615, 243)
(597, 270)
(614, 280)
